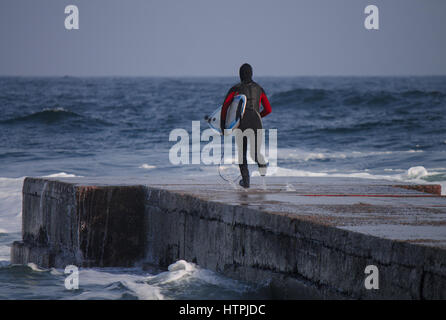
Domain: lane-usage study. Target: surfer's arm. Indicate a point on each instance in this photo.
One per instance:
(224, 108)
(266, 105)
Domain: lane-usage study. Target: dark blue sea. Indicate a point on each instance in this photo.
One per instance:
(391, 128)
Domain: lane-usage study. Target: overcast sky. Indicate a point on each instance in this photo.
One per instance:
(214, 37)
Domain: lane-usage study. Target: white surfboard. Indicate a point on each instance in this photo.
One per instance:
(233, 116)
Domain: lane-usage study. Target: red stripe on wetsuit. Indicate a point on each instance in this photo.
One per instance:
(263, 100)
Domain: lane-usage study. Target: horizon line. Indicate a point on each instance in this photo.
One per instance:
(213, 76)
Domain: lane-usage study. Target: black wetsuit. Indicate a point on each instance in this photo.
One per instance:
(252, 118)
(254, 94)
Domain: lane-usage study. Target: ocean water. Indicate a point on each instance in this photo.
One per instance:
(389, 128)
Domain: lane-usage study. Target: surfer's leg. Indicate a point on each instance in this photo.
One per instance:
(259, 158)
(255, 151)
(244, 165)
(245, 149)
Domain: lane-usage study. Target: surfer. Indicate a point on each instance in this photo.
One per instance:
(252, 119)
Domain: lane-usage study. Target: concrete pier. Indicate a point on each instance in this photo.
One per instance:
(301, 237)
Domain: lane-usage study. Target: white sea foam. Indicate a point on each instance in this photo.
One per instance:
(302, 155)
(177, 271)
(416, 172)
(61, 175)
(58, 109)
(181, 265)
(108, 283)
(190, 271)
(147, 166)
(394, 170)
(144, 291)
(34, 267)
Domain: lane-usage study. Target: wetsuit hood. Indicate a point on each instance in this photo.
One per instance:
(245, 73)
